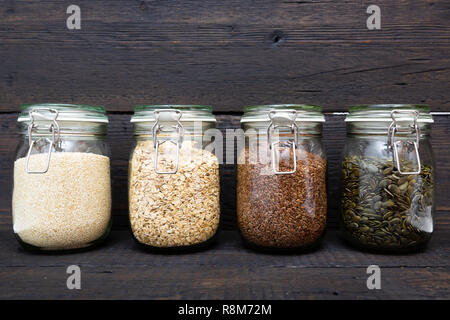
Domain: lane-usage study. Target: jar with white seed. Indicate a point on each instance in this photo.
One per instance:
(62, 186)
(174, 189)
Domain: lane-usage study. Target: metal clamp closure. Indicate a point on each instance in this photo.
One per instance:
(411, 129)
(35, 114)
(289, 123)
(158, 128)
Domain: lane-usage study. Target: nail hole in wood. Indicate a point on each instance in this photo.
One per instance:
(277, 37)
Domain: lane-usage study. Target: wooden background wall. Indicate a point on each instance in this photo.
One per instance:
(228, 54)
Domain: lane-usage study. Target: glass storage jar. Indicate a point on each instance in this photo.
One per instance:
(281, 187)
(387, 183)
(62, 186)
(174, 190)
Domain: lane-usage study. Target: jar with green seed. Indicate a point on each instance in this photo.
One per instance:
(387, 184)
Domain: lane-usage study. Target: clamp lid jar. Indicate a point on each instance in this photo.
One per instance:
(62, 189)
(387, 187)
(281, 193)
(174, 189)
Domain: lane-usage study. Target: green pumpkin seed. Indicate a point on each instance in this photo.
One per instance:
(382, 207)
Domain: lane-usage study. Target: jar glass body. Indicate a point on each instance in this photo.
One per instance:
(381, 208)
(179, 210)
(69, 206)
(282, 212)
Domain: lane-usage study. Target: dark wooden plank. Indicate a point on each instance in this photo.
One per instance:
(120, 135)
(121, 250)
(119, 270)
(225, 53)
(228, 54)
(221, 282)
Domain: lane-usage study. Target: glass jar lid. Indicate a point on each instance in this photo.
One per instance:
(383, 113)
(65, 112)
(185, 113)
(301, 112)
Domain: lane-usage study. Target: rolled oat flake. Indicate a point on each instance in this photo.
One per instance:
(173, 180)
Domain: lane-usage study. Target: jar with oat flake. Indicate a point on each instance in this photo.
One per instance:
(62, 188)
(281, 188)
(174, 189)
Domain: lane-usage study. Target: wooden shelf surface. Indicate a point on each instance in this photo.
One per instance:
(119, 269)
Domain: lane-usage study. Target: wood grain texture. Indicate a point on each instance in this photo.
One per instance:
(218, 283)
(120, 136)
(120, 270)
(228, 54)
(225, 53)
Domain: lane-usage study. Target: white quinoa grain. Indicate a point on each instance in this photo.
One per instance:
(68, 207)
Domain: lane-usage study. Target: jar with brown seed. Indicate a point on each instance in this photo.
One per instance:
(174, 188)
(281, 187)
(387, 183)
